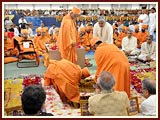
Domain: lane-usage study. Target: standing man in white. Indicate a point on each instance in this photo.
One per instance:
(143, 19)
(152, 21)
(103, 30)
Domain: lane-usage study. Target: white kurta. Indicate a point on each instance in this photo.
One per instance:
(145, 19)
(22, 21)
(130, 45)
(107, 32)
(148, 50)
(152, 23)
(51, 30)
(148, 106)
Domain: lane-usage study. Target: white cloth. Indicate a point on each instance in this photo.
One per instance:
(8, 22)
(145, 19)
(132, 27)
(107, 32)
(148, 50)
(20, 21)
(130, 45)
(148, 106)
(46, 13)
(51, 30)
(152, 23)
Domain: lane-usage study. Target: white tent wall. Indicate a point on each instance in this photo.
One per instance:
(70, 5)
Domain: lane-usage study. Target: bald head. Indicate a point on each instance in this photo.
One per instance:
(106, 80)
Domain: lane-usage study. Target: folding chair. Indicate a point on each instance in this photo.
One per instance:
(28, 49)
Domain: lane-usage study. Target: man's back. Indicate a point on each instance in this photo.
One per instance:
(109, 104)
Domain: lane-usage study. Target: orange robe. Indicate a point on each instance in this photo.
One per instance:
(90, 36)
(8, 45)
(36, 38)
(109, 58)
(48, 35)
(42, 50)
(64, 80)
(68, 34)
(41, 44)
(137, 36)
(22, 49)
(142, 37)
(84, 41)
(115, 36)
(9, 51)
(54, 39)
(118, 41)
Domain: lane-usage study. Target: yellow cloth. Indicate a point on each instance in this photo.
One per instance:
(12, 89)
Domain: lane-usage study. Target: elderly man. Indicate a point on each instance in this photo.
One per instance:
(108, 57)
(103, 30)
(65, 76)
(148, 106)
(68, 36)
(148, 50)
(108, 102)
(129, 44)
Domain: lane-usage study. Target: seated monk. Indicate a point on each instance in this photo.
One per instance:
(21, 48)
(143, 35)
(115, 33)
(38, 31)
(9, 50)
(118, 41)
(54, 37)
(65, 81)
(41, 47)
(89, 31)
(136, 33)
(47, 34)
(83, 39)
